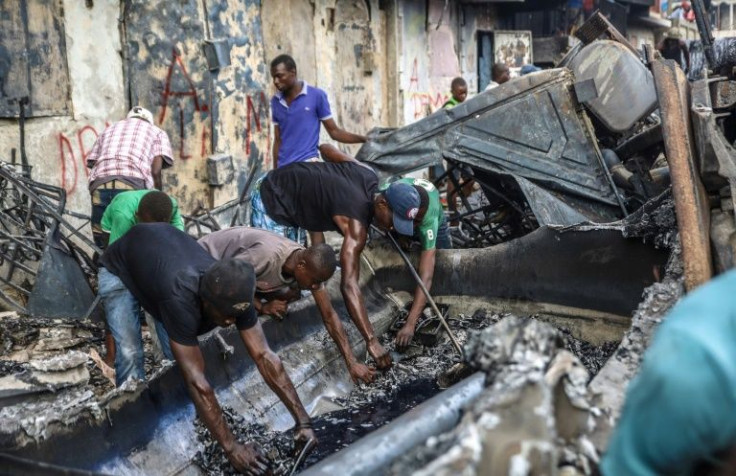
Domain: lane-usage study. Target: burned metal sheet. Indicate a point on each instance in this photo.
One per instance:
(712, 107)
(691, 202)
(539, 135)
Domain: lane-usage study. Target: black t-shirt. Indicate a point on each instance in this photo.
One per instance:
(308, 195)
(162, 266)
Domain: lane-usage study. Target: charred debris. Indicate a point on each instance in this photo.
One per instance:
(620, 182)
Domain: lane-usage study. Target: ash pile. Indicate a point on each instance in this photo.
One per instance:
(420, 371)
(39, 355)
(540, 413)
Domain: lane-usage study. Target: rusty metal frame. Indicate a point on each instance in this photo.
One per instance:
(32, 218)
(691, 201)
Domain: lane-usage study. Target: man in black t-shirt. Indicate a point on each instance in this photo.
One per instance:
(341, 195)
(181, 285)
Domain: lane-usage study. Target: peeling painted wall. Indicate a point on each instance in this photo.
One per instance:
(475, 18)
(382, 63)
(204, 112)
(56, 146)
(429, 56)
(339, 46)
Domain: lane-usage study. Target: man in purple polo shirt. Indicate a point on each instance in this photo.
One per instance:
(297, 110)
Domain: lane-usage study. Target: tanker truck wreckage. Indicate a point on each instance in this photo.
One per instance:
(604, 186)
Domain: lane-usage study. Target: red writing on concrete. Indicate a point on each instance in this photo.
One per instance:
(177, 63)
(73, 153)
(423, 102)
(189, 92)
(253, 118)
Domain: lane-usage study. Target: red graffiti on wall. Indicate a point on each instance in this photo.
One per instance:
(69, 184)
(73, 156)
(188, 92)
(414, 80)
(423, 102)
(426, 102)
(205, 141)
(191, 91)
(253, 118)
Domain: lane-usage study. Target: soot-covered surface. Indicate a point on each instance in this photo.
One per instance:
(412, 380)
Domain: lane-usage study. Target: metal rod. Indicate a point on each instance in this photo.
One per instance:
(703, 21)
(305, 451)
(244, 193)
(421, 285)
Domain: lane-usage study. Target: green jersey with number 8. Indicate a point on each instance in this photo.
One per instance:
(432, 219)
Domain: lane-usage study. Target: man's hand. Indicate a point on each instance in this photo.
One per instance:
(248, 459)
(405, 335)
(361, 373)
(379, 354)
(276, 308)
(304, 436)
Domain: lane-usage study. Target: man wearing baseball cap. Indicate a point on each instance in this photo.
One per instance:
(181, 285)
(342, 195)
(417, 212)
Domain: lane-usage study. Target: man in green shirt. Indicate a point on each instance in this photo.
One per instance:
(122, 310)
(430, 229)
(123, 213)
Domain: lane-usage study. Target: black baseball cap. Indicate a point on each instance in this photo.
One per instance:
(229, 285)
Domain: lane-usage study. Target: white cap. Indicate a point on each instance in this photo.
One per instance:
(141, 113)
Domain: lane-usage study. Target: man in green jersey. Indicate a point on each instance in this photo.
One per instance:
(412, 207)
(122, 310)
(430, 229)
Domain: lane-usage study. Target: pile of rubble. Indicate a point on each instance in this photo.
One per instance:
(538, 413)
(415, 376)
(39, 355)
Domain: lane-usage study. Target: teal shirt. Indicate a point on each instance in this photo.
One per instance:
(681, 407)
(119, 216)
(431, 222)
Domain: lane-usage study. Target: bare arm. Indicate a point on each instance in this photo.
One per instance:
(270, 366)
(358, 371)
(156, 167)
(426, 273)
(355, 235)
(330, 153)
(341, 135)
(276, 146)
(191, 363)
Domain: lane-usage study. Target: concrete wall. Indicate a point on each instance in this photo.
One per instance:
(385, 66)
(339, 46)
(436, 45)
(203, 111)
(474, 18)
(56, 146)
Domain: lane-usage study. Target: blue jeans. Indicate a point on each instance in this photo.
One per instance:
(444, 242)
(260, 219)
(123, 314)
(101, 198)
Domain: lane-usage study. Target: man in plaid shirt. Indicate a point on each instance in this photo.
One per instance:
(129, 155)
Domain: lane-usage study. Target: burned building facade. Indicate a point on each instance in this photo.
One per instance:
(72, 68)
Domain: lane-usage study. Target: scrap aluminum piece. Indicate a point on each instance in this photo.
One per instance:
(691, 202)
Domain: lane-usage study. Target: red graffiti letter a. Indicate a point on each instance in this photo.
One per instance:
(176, 62)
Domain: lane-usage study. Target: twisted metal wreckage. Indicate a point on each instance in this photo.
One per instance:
(607, 179)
